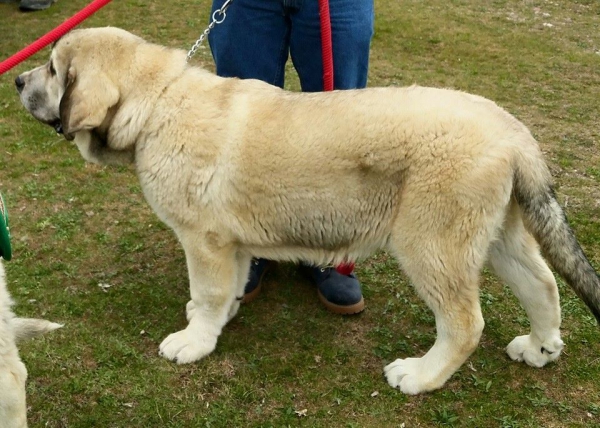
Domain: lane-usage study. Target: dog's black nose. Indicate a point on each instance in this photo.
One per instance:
(19, 83)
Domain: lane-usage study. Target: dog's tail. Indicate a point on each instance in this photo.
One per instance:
(546, 221)
(26, 328)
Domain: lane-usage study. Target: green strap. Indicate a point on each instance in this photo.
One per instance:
(5, 249)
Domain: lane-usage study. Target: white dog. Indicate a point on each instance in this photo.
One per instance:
(445, 181)
(13, 410)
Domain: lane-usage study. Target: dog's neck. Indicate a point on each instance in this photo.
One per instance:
(129, 117)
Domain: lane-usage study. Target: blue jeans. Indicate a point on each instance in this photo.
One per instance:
(258, 36)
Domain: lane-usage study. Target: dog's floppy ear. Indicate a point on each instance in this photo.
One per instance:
(86, 101)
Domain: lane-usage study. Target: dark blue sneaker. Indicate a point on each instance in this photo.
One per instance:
(30, 5)
(258, 269)
(340, 293)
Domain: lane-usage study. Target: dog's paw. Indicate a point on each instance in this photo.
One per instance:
(533, 351)
(187, 346)
(408, 375)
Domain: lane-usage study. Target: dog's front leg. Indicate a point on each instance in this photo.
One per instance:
(244, 261)
(213, 270)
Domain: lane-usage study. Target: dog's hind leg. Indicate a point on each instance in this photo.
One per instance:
(448, 282)
(515, 257)
(213, 269)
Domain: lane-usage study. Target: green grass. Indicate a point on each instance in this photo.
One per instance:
(77, 226)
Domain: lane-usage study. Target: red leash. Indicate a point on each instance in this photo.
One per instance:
(326, 45)
(327, 56)
(52, 36)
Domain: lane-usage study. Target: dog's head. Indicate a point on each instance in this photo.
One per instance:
(74, 91)
(99, 85)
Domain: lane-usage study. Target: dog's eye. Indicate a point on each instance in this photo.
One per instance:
(52, 70)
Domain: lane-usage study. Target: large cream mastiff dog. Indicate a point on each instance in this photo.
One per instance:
(444, 180)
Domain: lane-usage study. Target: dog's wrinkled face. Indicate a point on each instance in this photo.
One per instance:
(41, 90)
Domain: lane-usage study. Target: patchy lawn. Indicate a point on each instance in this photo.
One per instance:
(89, 252)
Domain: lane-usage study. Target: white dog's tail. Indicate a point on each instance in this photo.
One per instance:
(26, 328)
(546, 221)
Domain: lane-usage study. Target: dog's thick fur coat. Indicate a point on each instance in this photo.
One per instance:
(13, 374)
(444, 180)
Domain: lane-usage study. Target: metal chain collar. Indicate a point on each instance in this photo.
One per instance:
(218, 16)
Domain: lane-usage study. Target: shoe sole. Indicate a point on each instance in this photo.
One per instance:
(342, 309)
(252, 295)
(33, 8)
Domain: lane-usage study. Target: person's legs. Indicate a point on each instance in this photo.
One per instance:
(351, 33)
(352, 29)
(252, 42)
